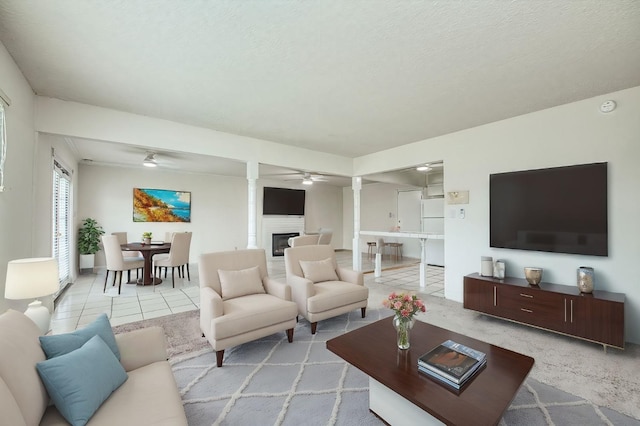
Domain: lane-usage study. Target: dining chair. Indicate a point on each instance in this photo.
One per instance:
(116, 261)
(134, 255)
(178, 257)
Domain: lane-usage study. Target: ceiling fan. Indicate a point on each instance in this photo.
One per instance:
(307, 178)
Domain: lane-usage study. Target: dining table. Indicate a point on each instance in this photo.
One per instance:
(148, 250)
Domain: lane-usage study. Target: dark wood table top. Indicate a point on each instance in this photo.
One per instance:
(482, 401)
(146, 247)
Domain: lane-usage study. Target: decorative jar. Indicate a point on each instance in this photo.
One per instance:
(585, 279)
(403, 327)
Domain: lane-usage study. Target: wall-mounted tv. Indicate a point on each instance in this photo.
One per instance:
(561, 210)
(283, 201)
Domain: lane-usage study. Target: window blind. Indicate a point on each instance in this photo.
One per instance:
(62, 221)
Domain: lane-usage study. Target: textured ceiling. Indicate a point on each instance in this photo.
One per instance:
(345, 77)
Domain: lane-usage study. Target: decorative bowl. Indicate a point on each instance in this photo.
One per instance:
(533, 275)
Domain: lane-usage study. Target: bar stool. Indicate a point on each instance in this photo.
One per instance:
(371, 246)
(395, 250)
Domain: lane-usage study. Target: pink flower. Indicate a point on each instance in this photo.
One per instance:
(405, 313)
(397, 305)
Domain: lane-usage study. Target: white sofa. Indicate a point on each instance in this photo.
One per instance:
(149, 396)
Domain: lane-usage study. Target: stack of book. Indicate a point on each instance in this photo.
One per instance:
(452, 363)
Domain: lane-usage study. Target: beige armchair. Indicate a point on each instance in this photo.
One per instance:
(321, 288)
(239, 302)
(323, 237)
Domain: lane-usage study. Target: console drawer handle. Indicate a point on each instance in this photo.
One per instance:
(526, 310)
(526, 295)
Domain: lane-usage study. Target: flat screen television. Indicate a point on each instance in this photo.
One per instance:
(283, 201)
(560, 210)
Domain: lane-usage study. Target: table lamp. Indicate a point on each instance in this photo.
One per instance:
(29, 279)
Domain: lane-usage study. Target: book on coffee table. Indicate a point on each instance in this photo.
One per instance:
(452, 361)
(448, 382)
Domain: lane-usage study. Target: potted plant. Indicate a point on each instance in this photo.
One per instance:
(146, 237)
(89, 242)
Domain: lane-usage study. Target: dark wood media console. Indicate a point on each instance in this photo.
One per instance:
(596, 317)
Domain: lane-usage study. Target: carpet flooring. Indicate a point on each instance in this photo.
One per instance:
(271, 381)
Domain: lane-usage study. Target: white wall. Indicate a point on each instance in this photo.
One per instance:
(17, 201)
(569, 134)
(218, 206)
(323, 208)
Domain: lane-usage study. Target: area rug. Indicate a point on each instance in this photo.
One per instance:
(273, 382)
(182, 331)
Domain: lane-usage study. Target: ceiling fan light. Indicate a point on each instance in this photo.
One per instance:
(150, 161)
(307, 181)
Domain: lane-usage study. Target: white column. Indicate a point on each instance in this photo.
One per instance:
(356, 184)
(423, 263)
(252, 176)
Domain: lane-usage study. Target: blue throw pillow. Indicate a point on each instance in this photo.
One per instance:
(60, 344)
(80, 381)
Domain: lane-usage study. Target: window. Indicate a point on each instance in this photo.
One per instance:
(62, 221)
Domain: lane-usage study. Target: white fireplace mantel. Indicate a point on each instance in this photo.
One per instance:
(279, 225)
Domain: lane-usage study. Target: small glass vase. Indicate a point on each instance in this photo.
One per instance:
(403, 326)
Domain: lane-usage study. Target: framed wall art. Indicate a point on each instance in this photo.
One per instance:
(161, 205)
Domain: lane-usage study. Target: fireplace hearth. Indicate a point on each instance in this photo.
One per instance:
(279, 242)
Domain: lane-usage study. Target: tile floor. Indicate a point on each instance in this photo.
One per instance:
(84, 300)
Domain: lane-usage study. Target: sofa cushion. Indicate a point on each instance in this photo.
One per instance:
(60, 344)
(333, 294)
(148, 397)
(240, 283)
(319, 270)
(19, 352)
(80, 381)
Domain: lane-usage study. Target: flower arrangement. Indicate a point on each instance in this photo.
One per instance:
(406, 306)
(146, 235)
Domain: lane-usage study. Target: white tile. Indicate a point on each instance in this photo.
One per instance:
(117, 313)
(149, 307)
(155, 314)
(184, 308)
(126, 319)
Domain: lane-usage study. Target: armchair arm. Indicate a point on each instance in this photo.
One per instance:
(142, 347)
(210, 307)
(301, 290)
(351, 276)
(277, 288)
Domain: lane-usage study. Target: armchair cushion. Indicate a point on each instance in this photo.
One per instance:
(240, 283)
(80, 381)
(60, 344)
(333, 294)
(319, 270)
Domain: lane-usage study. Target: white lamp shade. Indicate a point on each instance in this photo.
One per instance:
(31, 278)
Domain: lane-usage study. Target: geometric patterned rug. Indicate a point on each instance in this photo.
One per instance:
(273, 382)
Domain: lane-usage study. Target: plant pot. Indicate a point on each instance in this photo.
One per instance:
(87, 262)
(147, 240)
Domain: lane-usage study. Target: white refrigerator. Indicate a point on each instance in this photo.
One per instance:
(433, 222)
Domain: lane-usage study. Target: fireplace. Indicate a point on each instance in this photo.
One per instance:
(279, 242)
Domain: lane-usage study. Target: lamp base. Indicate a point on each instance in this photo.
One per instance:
(40, 315)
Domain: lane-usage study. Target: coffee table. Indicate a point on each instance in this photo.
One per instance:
(400, 394)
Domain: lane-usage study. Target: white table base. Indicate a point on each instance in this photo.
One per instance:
(396, 410)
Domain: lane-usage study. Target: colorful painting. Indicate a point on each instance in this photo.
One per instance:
(161, 205)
